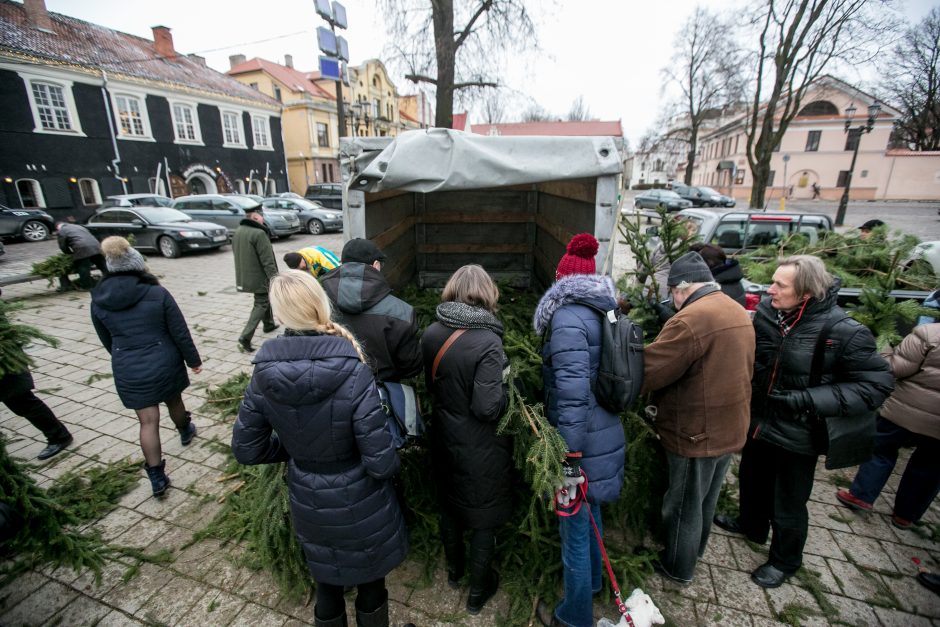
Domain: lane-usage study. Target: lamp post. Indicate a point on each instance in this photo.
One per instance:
(873, 111)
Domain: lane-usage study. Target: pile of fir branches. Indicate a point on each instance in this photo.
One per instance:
(54, 267)
(14, 338)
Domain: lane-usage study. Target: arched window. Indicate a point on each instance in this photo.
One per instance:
(819, 107)
(256, 187)
(239, 186)
(30, 193)
(271, 188)
(89, 190)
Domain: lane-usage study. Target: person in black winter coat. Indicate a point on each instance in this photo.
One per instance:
(77, 241)
(362, 301)
(313, 403)
(466, 370)
(726, 272)
(143, 329)
(799, 412)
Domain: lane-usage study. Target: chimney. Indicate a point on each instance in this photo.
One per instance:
(289, 60)
(235, 59)
(37, 16)
(163, 42)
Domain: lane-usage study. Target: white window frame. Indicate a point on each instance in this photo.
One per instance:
(239, 186)
(37, 192)
(271, 188)
(264, 120)
(157, 186)
(197, 132)
(95, 191)
(239, 128)
(66, 86)
(141, 99)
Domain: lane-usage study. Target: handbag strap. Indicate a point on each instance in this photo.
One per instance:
(440, 354)
(819, 353)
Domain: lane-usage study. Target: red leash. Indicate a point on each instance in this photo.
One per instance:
(572, 509)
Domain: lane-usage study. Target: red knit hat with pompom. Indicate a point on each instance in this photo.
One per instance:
(580, 256)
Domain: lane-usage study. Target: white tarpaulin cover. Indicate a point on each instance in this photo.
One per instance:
(438, 159)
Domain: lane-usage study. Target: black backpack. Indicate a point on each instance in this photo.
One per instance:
(620, 372)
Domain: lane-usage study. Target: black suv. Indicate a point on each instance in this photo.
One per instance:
(327, 194)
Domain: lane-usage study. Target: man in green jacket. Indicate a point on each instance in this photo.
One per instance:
(255, 266)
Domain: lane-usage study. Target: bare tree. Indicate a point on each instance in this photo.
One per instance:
(464, 53)
(537, 113)
(798, 40)
(912, 79)
(493, 107)
(579, 111)
(706, 68)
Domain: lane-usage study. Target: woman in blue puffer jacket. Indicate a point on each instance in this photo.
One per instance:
(313, 402)
(569, 317)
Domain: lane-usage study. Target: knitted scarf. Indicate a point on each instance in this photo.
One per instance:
(463, 316)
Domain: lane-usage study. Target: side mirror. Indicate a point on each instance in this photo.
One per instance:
(652, 231)
(138, 222)
(233, 210)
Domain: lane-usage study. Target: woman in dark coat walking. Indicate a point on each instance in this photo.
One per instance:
(143, 329)
(313, 402)
(466, 370)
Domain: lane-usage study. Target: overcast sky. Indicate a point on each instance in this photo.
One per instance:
(609, 51)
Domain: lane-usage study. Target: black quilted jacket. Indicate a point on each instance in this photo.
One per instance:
(311, 401)
(855, 378)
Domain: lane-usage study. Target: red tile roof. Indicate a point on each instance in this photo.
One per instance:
(83, 44)
(293, 79)
(594, 128)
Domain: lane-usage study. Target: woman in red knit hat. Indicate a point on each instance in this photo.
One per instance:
(569, 316)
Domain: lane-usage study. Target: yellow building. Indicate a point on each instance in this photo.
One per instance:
(372, 108)
(311, 136)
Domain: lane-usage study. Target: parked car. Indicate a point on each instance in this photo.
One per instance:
(137, 200)
(713, 198)
(288, 195)
(229, 211)
(314, 218)
(254, 197)
(163, 229)
(690, 193)
(327, 194)
(740, 231)
(33, 225)
(654, 198)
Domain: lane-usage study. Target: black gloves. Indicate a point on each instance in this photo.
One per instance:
(663, 312)
(796, 401)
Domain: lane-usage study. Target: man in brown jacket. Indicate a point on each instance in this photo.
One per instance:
(699, 370)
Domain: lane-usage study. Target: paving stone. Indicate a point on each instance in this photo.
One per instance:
(678, 610)
(711, 615)
(161, 507)
(737, 591)
(253, 615)
(117, 522)
(895, 618)
(117, 619)
(20, 588)
(853, 582)
(111, 575)
(791, 595)
(130, 596)
(226, 574)
(173, 601)
(747, 557)
(821, 541)
(215, 608)
(828, 515)
(853, 612)
(143, 533)
(81, 612)
(912, 596)
(185, 474)
(864, 551)
(195, 561)
(39, 606)
(437, 598)
(819, 567)
(718, 552)
(902, 558)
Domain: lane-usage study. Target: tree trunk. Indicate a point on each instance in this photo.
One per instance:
(690, 162)
(446, 53)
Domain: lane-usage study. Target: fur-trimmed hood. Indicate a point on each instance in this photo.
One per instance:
(596, 290)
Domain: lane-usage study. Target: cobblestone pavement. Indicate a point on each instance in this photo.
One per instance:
(864, 565)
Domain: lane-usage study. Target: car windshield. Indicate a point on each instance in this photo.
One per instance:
(665, 193)
(708, 190)
(162, 214)
(306, 204)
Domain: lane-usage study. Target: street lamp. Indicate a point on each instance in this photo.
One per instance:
(873, 110)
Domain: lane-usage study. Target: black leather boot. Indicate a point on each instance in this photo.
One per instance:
(483, 580)
(159, 482)
(376, 618)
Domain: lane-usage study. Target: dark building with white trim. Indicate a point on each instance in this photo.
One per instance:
(87, 112)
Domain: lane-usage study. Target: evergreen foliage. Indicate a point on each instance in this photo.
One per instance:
(91, 493)
(14, 338)
(54, 267)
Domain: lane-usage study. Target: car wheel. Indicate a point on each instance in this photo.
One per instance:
(35, 231)
(168, 247)
(315, 227)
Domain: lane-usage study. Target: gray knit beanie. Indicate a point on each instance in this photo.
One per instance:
(121, 257)
(689, 268)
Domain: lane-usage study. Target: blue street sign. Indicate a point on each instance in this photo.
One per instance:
(330, 68)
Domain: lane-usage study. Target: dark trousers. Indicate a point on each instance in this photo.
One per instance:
(83, 267)
(482, 550)
(38, 413)
(775, 487)
(688, 509)
(920, 482)
(260, 312)
(370, 596)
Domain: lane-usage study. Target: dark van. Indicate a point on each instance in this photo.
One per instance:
(327, 194)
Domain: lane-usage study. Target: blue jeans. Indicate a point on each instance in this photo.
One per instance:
(581, 563)
(688, 509)
(920, 482)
